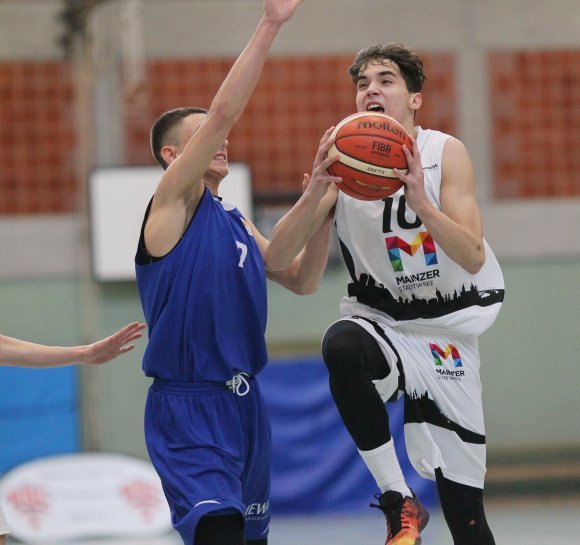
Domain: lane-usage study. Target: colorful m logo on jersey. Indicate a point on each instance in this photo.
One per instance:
(422, 240)
(450, 350)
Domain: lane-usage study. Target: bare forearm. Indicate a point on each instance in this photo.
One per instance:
(462, 246)
(26, 354)
(305, 272)
(293, 231)
(240, 82)
(313, 260)
(237, 88)
(187, 170)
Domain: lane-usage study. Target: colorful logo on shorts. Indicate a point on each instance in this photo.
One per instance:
(450, 350)
(423, 240)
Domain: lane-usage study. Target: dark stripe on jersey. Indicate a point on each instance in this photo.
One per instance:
(423, 409)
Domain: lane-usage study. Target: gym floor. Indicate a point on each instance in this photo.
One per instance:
(519, 522)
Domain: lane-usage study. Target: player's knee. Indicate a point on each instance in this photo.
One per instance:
(342, 346)
(222, 529)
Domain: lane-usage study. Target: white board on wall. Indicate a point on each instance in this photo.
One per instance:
(118, 197)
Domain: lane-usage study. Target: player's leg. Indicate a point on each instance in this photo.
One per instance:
(2, 540)
(222, 529)
(354, 359)
(200, 475)
(462, 507)
(257, 471)
(232, 528)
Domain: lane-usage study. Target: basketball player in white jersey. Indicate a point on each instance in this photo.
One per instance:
(19, 353)
(424, 285)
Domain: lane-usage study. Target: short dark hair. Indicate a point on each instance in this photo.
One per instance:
(409, 63)
(164, 124)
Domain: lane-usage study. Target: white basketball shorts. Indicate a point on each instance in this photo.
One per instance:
(439, 376)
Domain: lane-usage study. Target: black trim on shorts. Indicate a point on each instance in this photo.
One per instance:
(424, 410)
(379, 331)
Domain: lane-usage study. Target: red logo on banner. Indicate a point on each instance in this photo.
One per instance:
(142, 496)
(31, 502)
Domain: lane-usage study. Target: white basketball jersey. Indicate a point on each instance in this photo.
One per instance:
(399, 273)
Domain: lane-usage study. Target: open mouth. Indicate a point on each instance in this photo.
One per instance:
(220, 157)
(375, 107)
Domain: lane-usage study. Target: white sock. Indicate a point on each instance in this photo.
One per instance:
(384, 467)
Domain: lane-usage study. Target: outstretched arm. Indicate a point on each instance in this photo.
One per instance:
(20, 353)
(182, 185)
(231, 98)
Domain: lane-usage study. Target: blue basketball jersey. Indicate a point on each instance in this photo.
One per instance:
(205, 301)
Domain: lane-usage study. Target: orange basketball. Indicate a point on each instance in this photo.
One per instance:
(370, 146)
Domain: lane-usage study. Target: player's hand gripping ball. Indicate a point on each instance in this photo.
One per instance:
(370, 146)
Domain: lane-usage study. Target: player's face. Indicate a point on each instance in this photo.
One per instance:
(381, 88)
(218, 167)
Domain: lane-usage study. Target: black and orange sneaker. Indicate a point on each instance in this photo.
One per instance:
(406, 518)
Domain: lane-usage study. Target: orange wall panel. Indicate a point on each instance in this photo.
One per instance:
(534, 103)
(535, 109)
(37, 147)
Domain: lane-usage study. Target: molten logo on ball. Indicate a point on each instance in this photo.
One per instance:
(384, 125)
(370, 146)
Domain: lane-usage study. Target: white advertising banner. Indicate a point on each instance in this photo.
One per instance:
(85, 495)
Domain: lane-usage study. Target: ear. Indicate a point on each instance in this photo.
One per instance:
(415, 101)
(169, 154)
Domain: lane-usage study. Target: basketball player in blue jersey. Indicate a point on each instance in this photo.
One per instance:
(201, 272)
(424, 285)
(19, 353)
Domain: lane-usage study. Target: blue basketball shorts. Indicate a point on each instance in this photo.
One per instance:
(211, 448)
